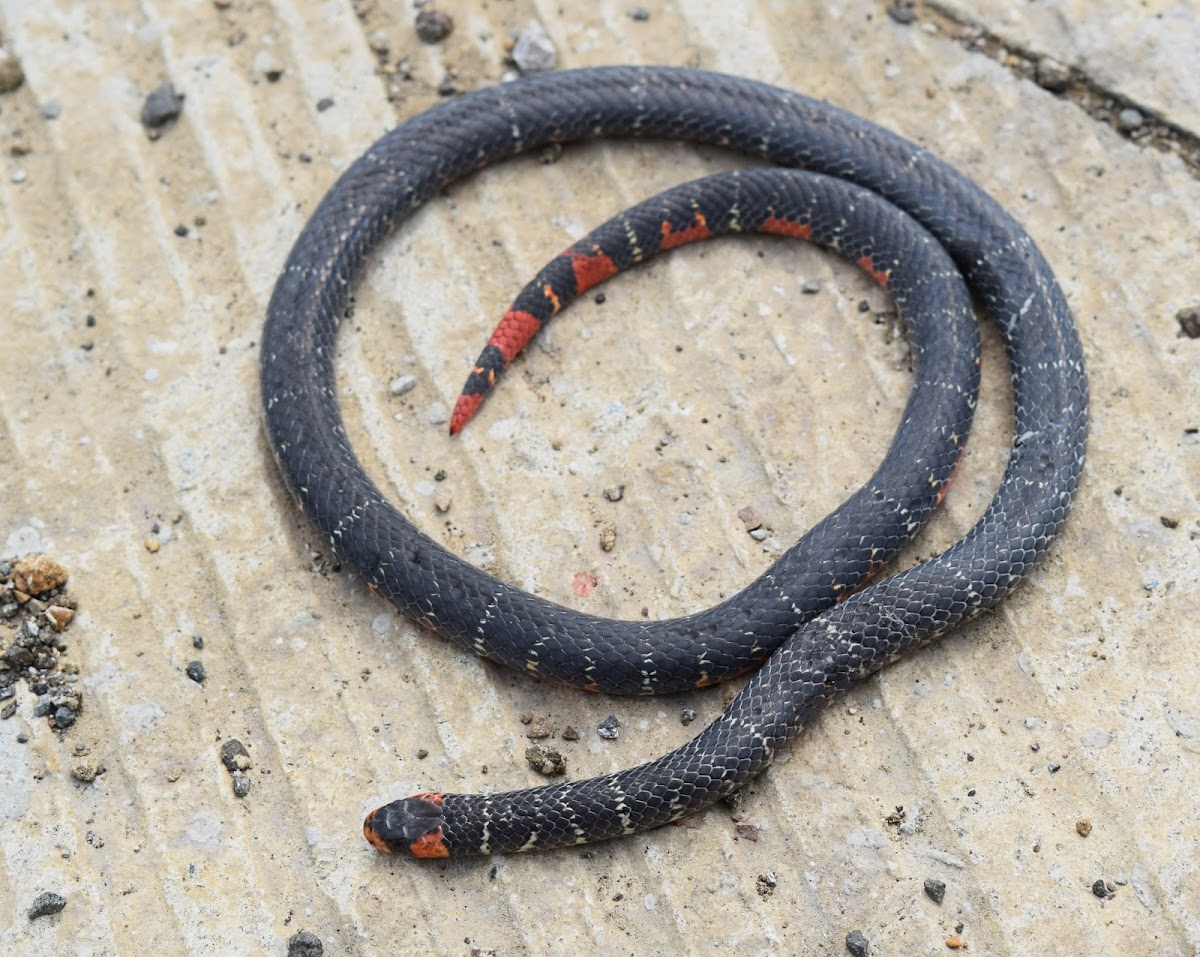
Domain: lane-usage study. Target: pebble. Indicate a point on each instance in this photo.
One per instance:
(1083, 827)
(570, 734)
(63, 718)
(51, 110)
(811, 287)
(11, 73)
(37, 574)
(641, 14)
(749, 827)
(902, 11)
(935, 890)
(195, 671)
(1052, 75)
(85, 771)
(161, 107)
(759, 534)
(433, 26)
(615, 494)
(1099, 889)
(608, 537)
(687, 716)
(750, 518)
(537, 730)
(609, 728)
(46, 904)
(955, 942)
(1130, 119)
(534, 51)
(1189, 322)
(403, 384)
(438, 414)
(241, 785)
(234, 756)
(857, 943)
(544, 760)
(305, 944)
(59, 617)
(766, 884)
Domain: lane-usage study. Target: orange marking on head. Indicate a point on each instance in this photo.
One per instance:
(671, 238)
(592, 268)
(373, 837)
(549, 293)
(430, 845)
(590, 686)
(881, 276)
(433, 797)
(516, 328)
(704, 681)
(786, 227)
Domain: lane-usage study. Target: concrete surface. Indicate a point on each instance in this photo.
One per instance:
(1090, 667)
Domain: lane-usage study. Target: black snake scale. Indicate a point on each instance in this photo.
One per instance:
(846, 641)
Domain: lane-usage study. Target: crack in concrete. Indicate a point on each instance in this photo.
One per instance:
(1070, 83)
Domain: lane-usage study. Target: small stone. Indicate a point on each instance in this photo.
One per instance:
(750, 518)
(195, 671)
(182, 231)
(85, 771)
(525, 717)
(1052, 75)
(305, 944)
(42, 706)
(11, 73)
(438, 414)
(539, 729)
(161, 107)
(1083, 827)
(51, 110)
(378, 42)
(1130, 119)
(1099, 889)
(811, 287)
(608, 537)
(749, 827)
(935, 890)
(545, 760)
(534, 50)
(687, 716)
(1189, 322)
(234, 756)
(59, 617)
(641, 14)
(198, 642)
(609, 728)
(324, 103)
(615, 494)
(570, 734)
(241, 785)
(442, 503)
(760, 534)
(422, 754)
(63, 718)
(857, 943)
(447, 86)
(902, 11)
(765, 884)
(1168, 522)
(37, 574)
(46, 904)
(433, 26)
(955, 942)
(152, 544)
(403, 384)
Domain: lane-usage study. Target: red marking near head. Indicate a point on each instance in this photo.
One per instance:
(881, 276)
(433, 797)
(372, 837)
(591, 268)
(430, 845)
(516, 328)
(786, 227)
(671, 238)
(464, 408)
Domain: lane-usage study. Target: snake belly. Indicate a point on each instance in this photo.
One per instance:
(848, 639)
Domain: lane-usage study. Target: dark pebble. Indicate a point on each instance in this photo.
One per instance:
(433, 26)
(1052, 75)
(197, 642)
(609, 728)
(615, 494)
(64, 718)
(1168, 522)
(51, 903)
(1099, 889)
(600, 299)
(1189, 322)
(641, 14)
(864, 306)
(935, 890)
(857, 944)
(42, 706)
(324, 104)
(545, 760)
(447, 87)
(195, 671)
(305, 944)
(1054, 768)
(181, 230)
(51, 110)
(161, 107)
(234, 755)
(570, 734)
(687, 716)
(902, 11)
(241, 785)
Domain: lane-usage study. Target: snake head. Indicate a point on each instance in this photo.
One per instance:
(412, 824)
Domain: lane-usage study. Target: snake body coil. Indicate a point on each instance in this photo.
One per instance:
(848, 639)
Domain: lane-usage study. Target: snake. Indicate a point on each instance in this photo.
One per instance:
(808, 647)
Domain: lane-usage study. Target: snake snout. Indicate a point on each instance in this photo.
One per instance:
(412, 824)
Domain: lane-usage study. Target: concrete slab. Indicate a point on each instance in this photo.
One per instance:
(1076, 701)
